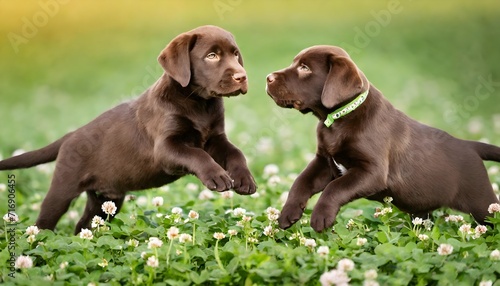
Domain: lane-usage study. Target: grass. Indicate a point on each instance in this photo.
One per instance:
(429, 59)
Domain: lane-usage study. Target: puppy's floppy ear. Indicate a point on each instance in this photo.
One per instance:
(344, 80)
(175, 58)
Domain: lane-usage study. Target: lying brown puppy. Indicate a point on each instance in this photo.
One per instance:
(176, 127)
(368, 149)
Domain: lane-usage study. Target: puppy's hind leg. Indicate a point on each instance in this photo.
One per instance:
(57, 202)
(94, 208)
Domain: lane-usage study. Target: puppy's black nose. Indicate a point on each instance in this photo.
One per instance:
(240, 77)
(271, 77)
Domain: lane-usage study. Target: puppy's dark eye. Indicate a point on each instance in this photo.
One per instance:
(212, 56)
(304, 68)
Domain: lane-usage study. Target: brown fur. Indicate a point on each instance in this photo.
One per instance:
(385, 152)
(174, 128)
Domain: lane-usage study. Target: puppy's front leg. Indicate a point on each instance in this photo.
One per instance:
(312, 180)
(233, 160)
(176, 155)
(355, 183)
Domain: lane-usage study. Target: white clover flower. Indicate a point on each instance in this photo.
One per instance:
(232, 232)
(11, 217)
(49, 277)
(283, 197)
(382, 212)
(246, 218)
(334, 277)
(32, 230)
(3, 188)
(310, 242)
(495, 255)
(172, 233)
(206, 195)
(423, 237)
(165, 188)
(18, 152)
(268, 231)
(388, 200)
(31, 238)
(370, 283)
(454, 218)
(129, 198)
(23, 262)
(227, 194)
(270, 170)
(157, 201)
(239, 211)
(361, 241)
(417, 221)
(44, 168)
(465, 228)
(193, 214)
(144, 255)
(154, 242)
(219, 235)
(428, 224)
(494, 208)
(192, 187)
(479, 230)
(109, 208)
(345, 265)
(371, 274)
(176, 210)
(486, 283)
(445, 249)
(73, 215)
(255, 195)
(495, 187)
(178, 252)
(272, 214)
(97, 221)
(323, 251)
(133, 242)
(252, 240)
(493, 170)
(142, 201)
(152, 262)
(184, 237)
(274, 181)
(86, 233)
(350, 223)
(63, 264)
(103, 263)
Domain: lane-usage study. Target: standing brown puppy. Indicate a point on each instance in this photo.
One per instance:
(174, 128)
(368, 149)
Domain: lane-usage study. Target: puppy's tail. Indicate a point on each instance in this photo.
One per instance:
(487, 152)
(33, 158)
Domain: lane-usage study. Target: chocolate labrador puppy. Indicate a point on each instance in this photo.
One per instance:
(369, 149)
(176, 127)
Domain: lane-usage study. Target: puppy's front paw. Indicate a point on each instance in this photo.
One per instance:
(290, 215)
(244, 183)
(217, 180)
(323, 217)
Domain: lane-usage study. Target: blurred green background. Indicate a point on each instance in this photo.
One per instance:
(65, 62)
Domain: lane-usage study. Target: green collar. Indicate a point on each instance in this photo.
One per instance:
(346, 109)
